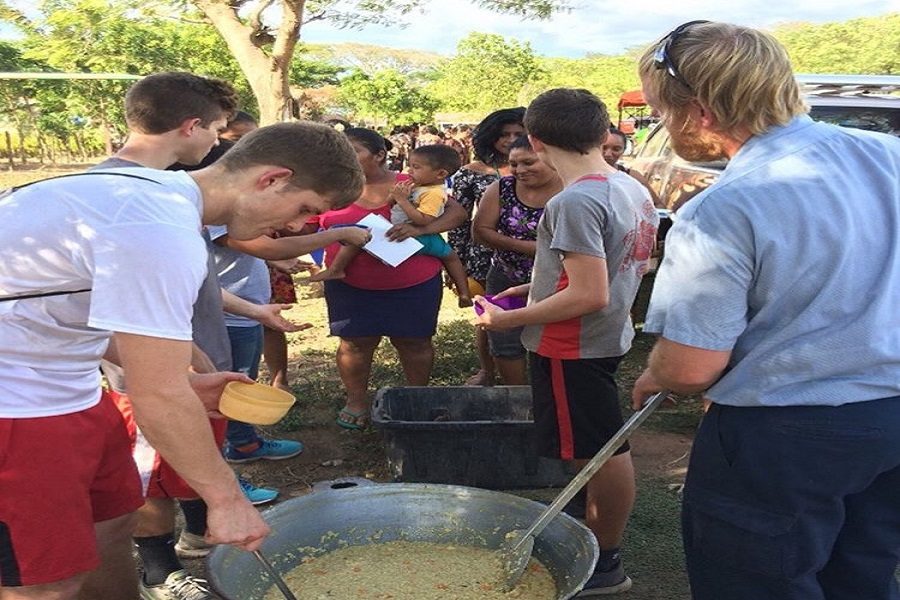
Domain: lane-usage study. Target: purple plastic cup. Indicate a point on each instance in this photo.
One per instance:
(507, 303)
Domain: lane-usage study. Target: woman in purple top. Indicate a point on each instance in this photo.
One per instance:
(491, 141)
(507, 221)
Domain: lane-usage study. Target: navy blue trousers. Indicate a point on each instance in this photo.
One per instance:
(795, 503)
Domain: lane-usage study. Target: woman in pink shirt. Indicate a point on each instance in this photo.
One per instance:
(375, 300)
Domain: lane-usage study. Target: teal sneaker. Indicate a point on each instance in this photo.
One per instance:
(268, 450)
(256, 495)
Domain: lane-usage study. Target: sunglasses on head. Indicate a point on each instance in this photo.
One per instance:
(662, 58)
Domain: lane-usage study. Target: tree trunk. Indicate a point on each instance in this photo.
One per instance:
(79, 144)
(267, 72)
(9, 151)
(23, 155)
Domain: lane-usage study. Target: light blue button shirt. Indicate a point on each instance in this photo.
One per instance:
(792, 262)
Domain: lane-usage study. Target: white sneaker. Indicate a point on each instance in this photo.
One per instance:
(179, 585)
(191, 545)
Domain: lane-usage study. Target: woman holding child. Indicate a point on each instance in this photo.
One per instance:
(507, 221)
(491, 141)
(370, 299)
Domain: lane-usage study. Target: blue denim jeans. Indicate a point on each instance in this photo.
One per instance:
(246, 350)
(795, 503)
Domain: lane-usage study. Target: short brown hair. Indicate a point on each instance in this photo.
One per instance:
(161, 102)
(742, 75)
(320, 157)
(570, 119)
(439, 156)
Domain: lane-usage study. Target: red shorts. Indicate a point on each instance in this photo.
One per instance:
(158, 478)
(59, 476)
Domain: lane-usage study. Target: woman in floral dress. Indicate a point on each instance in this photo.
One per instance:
(491, 141)
(507, 221)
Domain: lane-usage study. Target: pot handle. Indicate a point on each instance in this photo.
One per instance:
(342, 483)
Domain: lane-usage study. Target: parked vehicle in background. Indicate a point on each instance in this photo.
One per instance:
(858, 101)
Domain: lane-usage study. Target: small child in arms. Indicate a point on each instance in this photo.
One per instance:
(419, 201)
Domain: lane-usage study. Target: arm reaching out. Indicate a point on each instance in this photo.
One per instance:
(269, 315)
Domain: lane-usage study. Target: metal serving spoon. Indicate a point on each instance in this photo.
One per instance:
(274, 576)
(518, 544)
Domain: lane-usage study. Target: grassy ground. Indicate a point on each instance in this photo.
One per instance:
(34, 172)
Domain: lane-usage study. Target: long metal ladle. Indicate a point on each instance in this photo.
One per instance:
(274, 576)
(518, 544)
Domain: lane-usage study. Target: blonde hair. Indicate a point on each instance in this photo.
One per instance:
(742, 75)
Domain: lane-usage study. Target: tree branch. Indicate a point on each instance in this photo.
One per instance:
(288, 32)
(255, 17)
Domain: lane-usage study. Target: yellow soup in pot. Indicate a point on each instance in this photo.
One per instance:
(404, 570)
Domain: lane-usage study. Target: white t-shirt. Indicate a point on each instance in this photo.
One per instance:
(135, 243)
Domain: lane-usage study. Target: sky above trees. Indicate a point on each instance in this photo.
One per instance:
(592, 26)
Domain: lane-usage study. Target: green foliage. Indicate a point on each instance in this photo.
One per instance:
(605, 76)
(865, 46)
(488, 72)
(529, 9)
(309, 72)
(386, 96)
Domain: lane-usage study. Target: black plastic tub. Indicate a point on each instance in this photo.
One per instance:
(474, 436)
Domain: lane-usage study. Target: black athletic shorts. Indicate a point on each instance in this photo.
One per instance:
(576, 405)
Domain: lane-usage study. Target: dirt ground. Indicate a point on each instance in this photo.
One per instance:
(330, 454)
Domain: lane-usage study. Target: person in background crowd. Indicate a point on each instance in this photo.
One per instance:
(491, 142)
(613, 148)
(429, 135)
(243, 442)
(507, 221)
(280, 271)
(777, 299)
(239, 125)
(595, 236)
(452, 139)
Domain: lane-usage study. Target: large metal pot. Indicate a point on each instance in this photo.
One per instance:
(334, 518)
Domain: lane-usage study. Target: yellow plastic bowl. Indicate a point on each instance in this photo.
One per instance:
(254, 403)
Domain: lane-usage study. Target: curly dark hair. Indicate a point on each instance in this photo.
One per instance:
(488, 132)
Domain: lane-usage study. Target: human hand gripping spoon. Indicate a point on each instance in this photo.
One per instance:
(516, 549)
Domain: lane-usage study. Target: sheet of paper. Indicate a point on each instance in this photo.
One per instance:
(388, 252)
